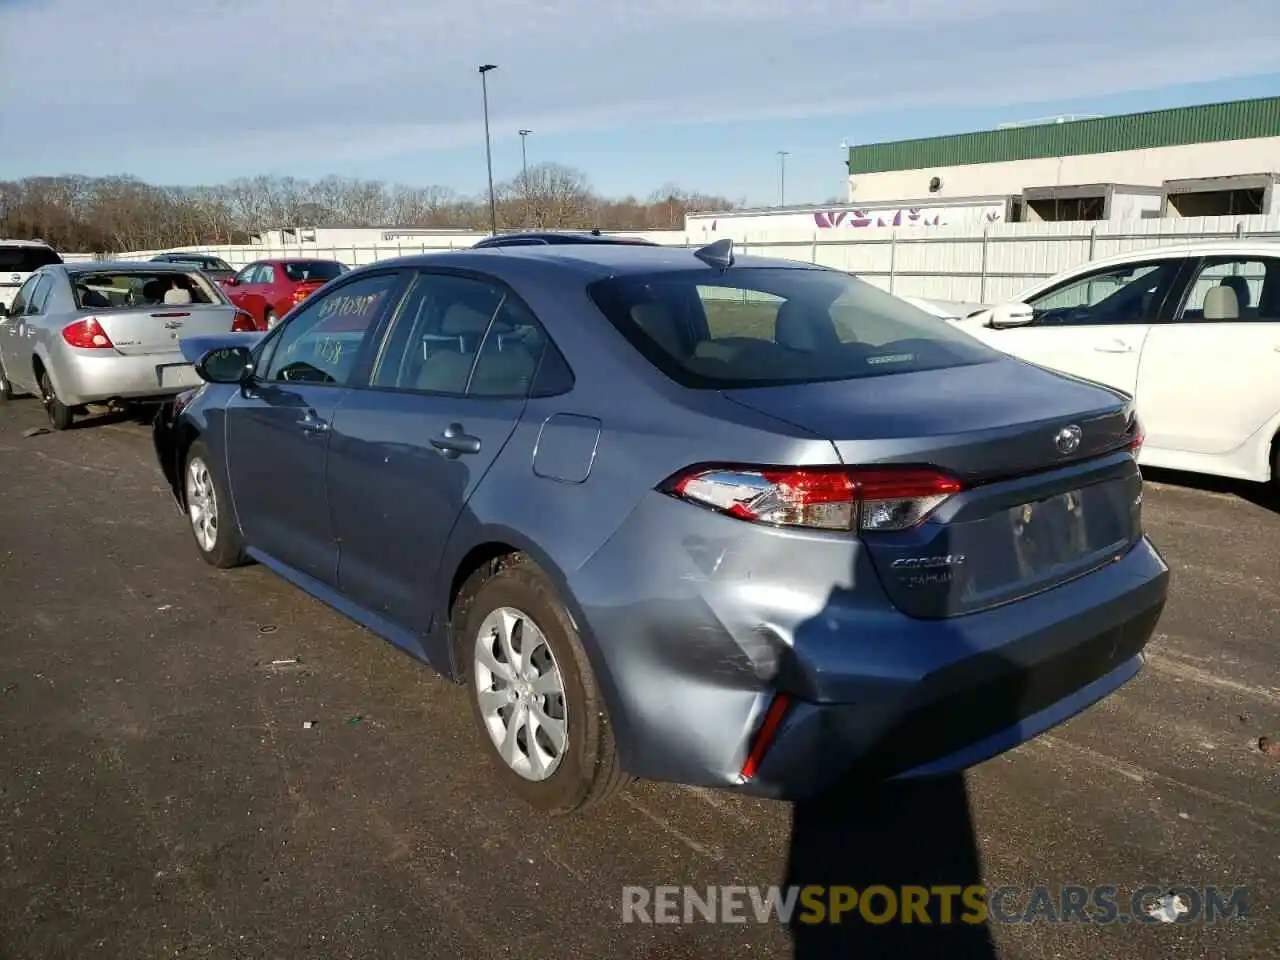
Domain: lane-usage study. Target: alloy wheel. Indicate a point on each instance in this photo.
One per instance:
(521, 693)
(202, 504)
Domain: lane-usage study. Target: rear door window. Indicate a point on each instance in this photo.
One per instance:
(461, 336)
(758, 326)
(1242, 289)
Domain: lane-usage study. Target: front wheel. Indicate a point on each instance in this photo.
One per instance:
(534, 697)
(60, 415)
(207, 511)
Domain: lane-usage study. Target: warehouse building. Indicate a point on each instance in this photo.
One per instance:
(1207, 160)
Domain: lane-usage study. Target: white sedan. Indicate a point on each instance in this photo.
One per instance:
(1192, 331)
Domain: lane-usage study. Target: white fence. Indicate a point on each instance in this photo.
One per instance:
(945, 263)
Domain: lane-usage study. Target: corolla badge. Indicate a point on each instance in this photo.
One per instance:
(1068, 439)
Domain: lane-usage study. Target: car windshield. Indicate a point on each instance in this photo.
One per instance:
(760, 326)
(313, 270)
(123, 289)
(26, 259)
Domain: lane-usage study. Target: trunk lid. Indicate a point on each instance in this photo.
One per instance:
(157, 329)
(1033, 514)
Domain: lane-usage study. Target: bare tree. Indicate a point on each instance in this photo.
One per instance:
(109, 214)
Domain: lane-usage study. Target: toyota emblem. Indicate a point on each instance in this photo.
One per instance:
(1068, 439)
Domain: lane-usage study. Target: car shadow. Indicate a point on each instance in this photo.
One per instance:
(139, 415)
(879, 837)
(1261, 494)
(911, 833)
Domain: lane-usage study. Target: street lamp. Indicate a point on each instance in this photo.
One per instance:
(488, 149)
(782, 177)
(524, 156)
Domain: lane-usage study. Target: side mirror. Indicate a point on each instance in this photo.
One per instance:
(226, 365)
(230, 281)
(1007, 315)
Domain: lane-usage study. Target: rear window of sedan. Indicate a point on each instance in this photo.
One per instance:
(124, 289)
(767, 326)
(314, 270)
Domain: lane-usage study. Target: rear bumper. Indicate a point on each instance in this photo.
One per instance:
(975, 708)
(693, 636)
(86, 376)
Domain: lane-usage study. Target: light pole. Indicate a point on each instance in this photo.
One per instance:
(524, 156)
(488, 149)
(782, 177)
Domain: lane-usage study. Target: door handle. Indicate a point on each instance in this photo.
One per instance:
(454, 442)
(1115, 346)
(310, 423)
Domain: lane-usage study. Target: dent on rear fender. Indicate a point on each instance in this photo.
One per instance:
(695, 618)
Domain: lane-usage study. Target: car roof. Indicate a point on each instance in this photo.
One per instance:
(552, 237)
(26, 243)
(293, 260)
(590, 261)
(1243, 246)
(101, 266)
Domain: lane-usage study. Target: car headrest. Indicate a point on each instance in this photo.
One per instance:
(177, 296)
(460, 320)
(1241, 287)
(1220, 303)
(797, 327)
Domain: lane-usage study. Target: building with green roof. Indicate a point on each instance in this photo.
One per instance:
(1208, 159)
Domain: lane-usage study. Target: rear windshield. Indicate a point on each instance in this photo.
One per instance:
(761, 326)
(23, 259)
(314, 270)
(120, 289)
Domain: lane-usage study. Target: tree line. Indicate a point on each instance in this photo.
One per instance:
(121, 213)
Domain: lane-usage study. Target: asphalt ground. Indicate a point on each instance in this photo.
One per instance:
(162, 795)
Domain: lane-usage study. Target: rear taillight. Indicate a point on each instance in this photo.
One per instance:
(301, 293)
(243, 323)
(1136, 436)
(87, 335)
(823, 498)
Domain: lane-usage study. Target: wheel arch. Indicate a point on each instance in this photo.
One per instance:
(493, 549)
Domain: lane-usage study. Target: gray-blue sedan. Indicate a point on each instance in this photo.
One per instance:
(681, 515)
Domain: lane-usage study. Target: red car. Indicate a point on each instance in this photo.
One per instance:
(268, 289)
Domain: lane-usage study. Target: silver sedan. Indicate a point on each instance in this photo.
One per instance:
(108, 333)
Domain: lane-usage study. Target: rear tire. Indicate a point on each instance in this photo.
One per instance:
(1275, 466)
(208, 515)
(6, 388)
(61, 417)
(528, 669)
(269, 319)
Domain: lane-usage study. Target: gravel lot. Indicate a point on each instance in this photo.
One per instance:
(161, 796)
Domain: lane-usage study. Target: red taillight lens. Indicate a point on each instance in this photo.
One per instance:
(1136, 436)
(87, 335)
(243, 323)
(764, 738)
(822, 498)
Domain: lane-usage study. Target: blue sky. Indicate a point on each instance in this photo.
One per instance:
(700, 93)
